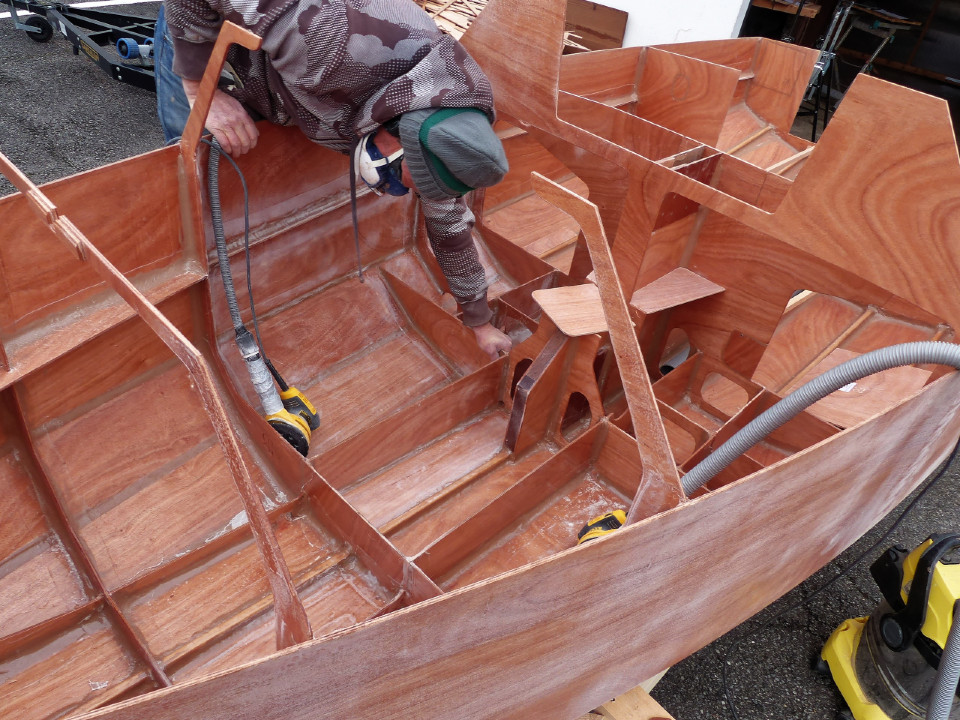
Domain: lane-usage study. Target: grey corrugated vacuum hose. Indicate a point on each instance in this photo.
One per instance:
(945, 688)
(256, 367)
(930, 352)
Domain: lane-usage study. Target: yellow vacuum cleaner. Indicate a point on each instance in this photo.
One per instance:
(901, 662)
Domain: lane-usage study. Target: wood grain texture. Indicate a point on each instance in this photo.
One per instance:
(781, 73)
(880, 234)
(575, 310)
(677, 287)
(609, 77)
(399, 434)
(684, 94)
(867, 397)
(553, 617)
(658, 467)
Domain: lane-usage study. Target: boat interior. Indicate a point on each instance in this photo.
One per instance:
(129, 560)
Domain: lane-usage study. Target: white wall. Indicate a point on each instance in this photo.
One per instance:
(653, 22)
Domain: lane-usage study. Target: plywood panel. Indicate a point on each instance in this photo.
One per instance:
(307, 255)
(845, 204)
(864, 398)
(99, 366)
(387, 495)
(550, 528)
(39, 588)
(306, 339)
(609, 77)
(781, 74)
(83, 664)
(89, 461)
(21, 519)
(686, 95)
(400, 434)
(800, 335)
(174, 514)
(389, 377)
(420, 532)
(181, 609)
(596, 26)
(738, 53)
(343, 597)
(42, 276)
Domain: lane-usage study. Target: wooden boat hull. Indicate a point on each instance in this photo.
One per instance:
(422, 559)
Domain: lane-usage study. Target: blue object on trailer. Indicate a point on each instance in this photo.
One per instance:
(97, 33)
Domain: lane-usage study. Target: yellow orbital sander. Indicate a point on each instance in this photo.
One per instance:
(902, 662)
(287, 410)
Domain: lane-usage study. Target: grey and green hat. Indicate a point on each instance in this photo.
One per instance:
(451, 151)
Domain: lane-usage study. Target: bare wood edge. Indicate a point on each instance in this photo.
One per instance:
(658, 466)
(293, 627)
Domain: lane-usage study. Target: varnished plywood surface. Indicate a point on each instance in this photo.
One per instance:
(864, 398)
(407, 483)
(556, 618)
(549, 528)
(73, 669)
(404, 421)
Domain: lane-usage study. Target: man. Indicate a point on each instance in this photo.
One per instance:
(375, 78)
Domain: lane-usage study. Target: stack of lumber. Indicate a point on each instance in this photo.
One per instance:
(455, 16)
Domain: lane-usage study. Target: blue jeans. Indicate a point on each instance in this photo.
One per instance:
(172, 106)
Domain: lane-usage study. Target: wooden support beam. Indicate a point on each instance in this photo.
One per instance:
(658, 468)
(292, 624)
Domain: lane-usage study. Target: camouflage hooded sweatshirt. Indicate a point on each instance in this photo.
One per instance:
(338, 69)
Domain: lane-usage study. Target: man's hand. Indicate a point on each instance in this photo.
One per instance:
(230, 124)
(491, 340)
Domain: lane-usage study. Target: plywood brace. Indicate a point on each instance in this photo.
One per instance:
(659, 474)
(292, 624)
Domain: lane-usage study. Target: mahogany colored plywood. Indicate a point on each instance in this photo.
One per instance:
(686, 95)
(609, 77)
(781, 72)
(350, 398)
(116, 357)
(409, 482)
(677, 287)
(175, 513)
(555, 624)
(41, 585)
(213, 600)
(88, 466)
(40, 278)
(845, 204)
(79, 668)
(414, 537)
(864, 398)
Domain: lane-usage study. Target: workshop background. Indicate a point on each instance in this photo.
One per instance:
(60, 114)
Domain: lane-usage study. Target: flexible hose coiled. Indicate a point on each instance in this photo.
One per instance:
(929, 352)
(945, 687)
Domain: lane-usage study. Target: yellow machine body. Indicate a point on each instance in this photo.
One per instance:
(884, 664)
(602, 525)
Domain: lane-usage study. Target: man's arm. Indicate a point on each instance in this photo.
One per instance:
(449, 225)
(227, 119)
(194, 27)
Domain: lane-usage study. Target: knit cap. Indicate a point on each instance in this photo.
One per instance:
(450, 151)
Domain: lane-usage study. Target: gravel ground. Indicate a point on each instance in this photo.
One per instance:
(60, 115)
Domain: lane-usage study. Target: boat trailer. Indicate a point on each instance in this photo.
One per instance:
(121, 44)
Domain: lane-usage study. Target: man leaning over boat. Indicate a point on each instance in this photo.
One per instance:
(378, 80)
